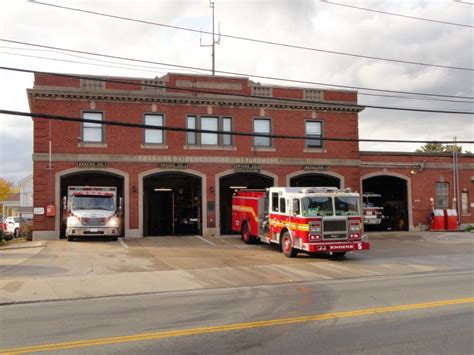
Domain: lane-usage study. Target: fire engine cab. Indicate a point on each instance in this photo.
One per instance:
(308, 219)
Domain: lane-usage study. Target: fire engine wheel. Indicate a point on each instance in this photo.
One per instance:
(245, 233)
(287, 246)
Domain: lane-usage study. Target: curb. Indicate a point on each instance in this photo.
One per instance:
(25, 245)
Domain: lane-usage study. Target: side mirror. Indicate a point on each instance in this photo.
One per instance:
(64, 203)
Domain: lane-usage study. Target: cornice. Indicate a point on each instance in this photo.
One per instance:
(176, 99)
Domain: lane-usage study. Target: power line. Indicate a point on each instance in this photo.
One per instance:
(226, 94)
(155, 68)
(235, 73)
(186, 130)
(395, 14)
(287, 45)
(136, 68)
(464, 2)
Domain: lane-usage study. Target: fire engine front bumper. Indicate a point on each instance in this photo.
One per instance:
(86, 231)
(335, 247)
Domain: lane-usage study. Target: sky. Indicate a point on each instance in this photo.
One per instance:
(313, 24)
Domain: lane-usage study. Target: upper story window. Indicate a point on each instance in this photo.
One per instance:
(154, 136)
(92, 132)
(209, 123)
(314, 134)
(442, 200)
(263, 126)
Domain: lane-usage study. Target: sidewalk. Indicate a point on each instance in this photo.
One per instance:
(58, 270)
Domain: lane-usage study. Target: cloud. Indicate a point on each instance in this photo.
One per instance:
(307, 23)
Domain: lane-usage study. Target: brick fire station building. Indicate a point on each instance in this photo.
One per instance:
(181, 183)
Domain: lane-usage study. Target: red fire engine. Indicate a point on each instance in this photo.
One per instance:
(309, 219)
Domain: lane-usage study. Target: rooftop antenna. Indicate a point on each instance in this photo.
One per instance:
(214, 41)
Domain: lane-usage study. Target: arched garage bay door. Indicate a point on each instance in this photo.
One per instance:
(227, 186)
(312, 180)
(91, 178)
(172, 204)
(394, 200)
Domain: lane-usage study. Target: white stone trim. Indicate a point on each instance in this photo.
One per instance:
(306, 172)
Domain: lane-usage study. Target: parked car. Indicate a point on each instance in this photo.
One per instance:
(12, 226)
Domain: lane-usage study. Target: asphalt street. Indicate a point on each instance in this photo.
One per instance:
(344, 316)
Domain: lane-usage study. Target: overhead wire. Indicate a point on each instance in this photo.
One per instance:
(235, 73)
(227, 94)
(254, 40)
(157, 70)
(195, 130)
(395, 14)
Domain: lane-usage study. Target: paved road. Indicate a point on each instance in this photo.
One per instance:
(355, 315)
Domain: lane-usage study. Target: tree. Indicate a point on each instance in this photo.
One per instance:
(438, 148)
(7, 188)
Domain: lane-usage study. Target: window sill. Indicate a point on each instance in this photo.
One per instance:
(209, 147)
(315, 150)
(153, 146)
(91, 145)
(263, 149)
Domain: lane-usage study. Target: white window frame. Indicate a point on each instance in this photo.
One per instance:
(87, 127)
(224, 123)
(442, 195)
(149, 133)
(314, 137)
(262, 141)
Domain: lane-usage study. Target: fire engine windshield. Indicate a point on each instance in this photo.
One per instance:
(347, 205)
(93, 203)
(316, 206)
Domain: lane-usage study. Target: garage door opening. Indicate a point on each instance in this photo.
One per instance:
(228, 185)
(172, 205)
(394, 200)
(312, 180)
(90, 178)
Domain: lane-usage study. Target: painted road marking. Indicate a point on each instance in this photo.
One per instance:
(123, 243)
(230, 327)
(205, 240)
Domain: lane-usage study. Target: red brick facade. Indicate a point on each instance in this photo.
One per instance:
(126, 154)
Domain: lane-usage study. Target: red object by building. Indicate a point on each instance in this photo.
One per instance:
(437, 221)
(451, 219)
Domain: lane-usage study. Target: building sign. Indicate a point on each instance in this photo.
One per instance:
(173, 165)
(247, 168)
(38, 210)
(316, 167)
(93, 164)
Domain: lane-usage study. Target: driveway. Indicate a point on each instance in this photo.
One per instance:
(96, 268)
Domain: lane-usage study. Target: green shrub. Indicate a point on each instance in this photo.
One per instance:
(469, 228)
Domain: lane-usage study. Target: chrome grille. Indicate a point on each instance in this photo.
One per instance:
(94, 222)
(335, 229)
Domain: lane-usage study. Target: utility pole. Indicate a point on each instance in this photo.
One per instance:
(214, 42)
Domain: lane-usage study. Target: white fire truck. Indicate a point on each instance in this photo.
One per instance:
(308, 219)
(92, 211)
